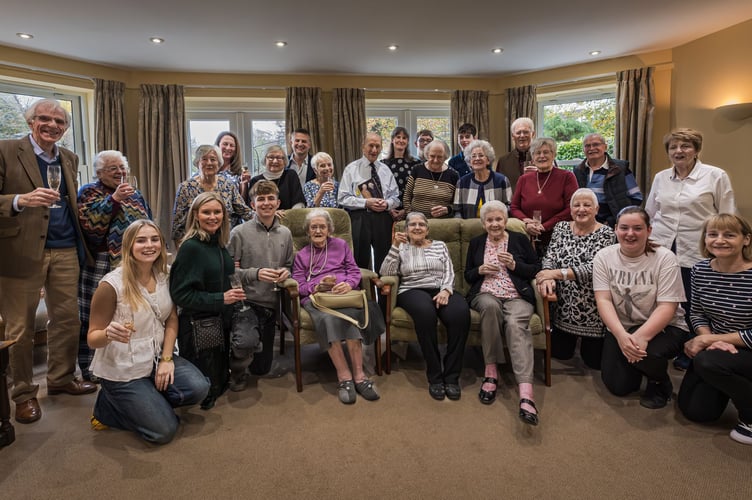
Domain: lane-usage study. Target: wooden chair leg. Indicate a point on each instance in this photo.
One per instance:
(377, 353)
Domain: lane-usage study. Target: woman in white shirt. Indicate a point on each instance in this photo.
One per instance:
(133, 328)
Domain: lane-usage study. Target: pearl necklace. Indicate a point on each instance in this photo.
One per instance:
(537, 181)
(312, 271)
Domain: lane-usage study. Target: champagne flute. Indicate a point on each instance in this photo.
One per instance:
(537, 217)
(53, 181)
(237, 283)
(124, 316)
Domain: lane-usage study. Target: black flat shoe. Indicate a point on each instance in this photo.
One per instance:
(437, 391)
(453, 391)
(488, 397)
(526, 416)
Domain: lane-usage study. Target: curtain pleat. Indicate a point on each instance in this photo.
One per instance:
(109, 117)
(163, 159)
(469, 106)
(349, 116)
(635, 105)
(303, 109)
(521, 102)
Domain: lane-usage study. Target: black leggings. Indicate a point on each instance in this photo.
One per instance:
(712, 379)
(563, 345)
(622, 377)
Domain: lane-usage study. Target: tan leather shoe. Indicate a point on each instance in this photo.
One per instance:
(75, 387)
(28, 411)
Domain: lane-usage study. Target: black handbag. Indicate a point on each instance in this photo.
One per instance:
(208, 332)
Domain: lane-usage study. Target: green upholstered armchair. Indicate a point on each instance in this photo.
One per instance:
(295, 318)
(457, 233)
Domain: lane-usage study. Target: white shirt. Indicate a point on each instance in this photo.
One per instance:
(679, 207)
(302, 170)
(358, 172)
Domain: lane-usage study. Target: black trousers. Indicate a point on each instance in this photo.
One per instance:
(711, 380)
(563, 345)
(622, 377)
(371, 229)
(455, 316)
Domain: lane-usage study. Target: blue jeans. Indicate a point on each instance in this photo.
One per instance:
(139, 407)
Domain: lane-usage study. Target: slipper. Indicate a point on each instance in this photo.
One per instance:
(366, 390)
(346, 392)
(526, 416)
(488, 397)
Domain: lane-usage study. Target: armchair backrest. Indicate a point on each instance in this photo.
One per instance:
(457, 233)
(294, 220)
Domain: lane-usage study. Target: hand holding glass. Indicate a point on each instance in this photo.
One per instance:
(538, 219)
(53, 180)
(237, 283)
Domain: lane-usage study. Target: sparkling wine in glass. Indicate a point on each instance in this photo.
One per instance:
(237, 284)
(53, 180)
(538, 220)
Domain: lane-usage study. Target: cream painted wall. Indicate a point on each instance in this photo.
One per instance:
(710, 72)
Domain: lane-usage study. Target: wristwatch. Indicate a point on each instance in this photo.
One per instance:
(564, 273)
(166, 359)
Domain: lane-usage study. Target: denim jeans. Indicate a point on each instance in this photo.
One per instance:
(138, 406)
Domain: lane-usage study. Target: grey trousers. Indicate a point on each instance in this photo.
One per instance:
(513, 317)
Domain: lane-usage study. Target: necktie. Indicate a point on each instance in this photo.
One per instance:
(375, 176)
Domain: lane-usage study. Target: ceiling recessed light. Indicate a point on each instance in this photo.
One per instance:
(393, 47)
(25, 36)
(156, 40)
(281, 43)
(594, 52)
(497, 50)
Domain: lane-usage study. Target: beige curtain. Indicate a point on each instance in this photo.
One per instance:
(303, 109)
(469, 106)
(349, 115)
(635, 104)
(109, 118)
(521, 102)
(163, 162)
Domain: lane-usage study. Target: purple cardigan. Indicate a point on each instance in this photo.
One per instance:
(340, 262)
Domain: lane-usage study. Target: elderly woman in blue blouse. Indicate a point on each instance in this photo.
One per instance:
(500, 266)
(721, 367)
(106, 208)
(426, 292)
(322, 190)
(134, 324)
(208, 159)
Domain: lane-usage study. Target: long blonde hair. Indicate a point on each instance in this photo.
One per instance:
(192, 225)
(131, 290)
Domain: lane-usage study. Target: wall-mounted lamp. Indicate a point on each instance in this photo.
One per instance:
(736, 112)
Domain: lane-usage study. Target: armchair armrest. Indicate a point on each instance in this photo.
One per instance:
(291, 286)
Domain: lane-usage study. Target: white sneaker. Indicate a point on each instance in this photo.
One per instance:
(742, 433)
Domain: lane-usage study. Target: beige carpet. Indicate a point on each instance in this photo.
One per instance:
(272, 442)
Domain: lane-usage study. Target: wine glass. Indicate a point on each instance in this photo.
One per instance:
(237, 283)
(132, 180)
(124, 316)
(53, 181)
(538, 219)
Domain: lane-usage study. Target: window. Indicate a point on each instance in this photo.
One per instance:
(257, 125)
(568, 116)
(16, 99)
(383, 115)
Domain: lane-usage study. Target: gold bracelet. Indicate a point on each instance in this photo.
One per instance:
(166, 359)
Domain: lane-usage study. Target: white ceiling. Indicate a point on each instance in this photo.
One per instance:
(435, 37)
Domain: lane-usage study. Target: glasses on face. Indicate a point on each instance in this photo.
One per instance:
(316, 227)
(49, 119)
(424, 140)
(115, 168)
(276, 158)
(683, 147)
(592, 145)
(477, 155)
(522, 133)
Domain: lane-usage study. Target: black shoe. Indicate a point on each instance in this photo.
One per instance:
(208, 402)
(488, 397)
(657, 394)
(437, 391)
(527, 416)
(681, 362)
(453, 391)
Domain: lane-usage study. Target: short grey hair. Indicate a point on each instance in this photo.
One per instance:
(437, 142)
(593, 134)
(488, 150)
(413, 215)
(493, 206)
(109, 154)
(46, 103)
(319, 157)
(540, 142)
(524, 120)
(318, 212)
(584, 192)
(205, 149)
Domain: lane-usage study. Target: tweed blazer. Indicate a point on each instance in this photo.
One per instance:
(509, 165)
(23, 234)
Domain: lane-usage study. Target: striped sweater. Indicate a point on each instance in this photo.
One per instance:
(420, 268)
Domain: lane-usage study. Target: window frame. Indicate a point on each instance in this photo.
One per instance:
(407, 112)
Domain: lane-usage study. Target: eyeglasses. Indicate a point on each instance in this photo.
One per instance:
(276, 158)
(318, 228)
(49, 119)
(593, 145)
(115, 168)
(424, 140)
(477, 155)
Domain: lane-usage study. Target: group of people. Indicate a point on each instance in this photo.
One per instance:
(156, 338)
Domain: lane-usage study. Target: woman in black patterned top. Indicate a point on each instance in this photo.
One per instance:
(721, 314)
(430, 188)
(568, 272)
(401, 163)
